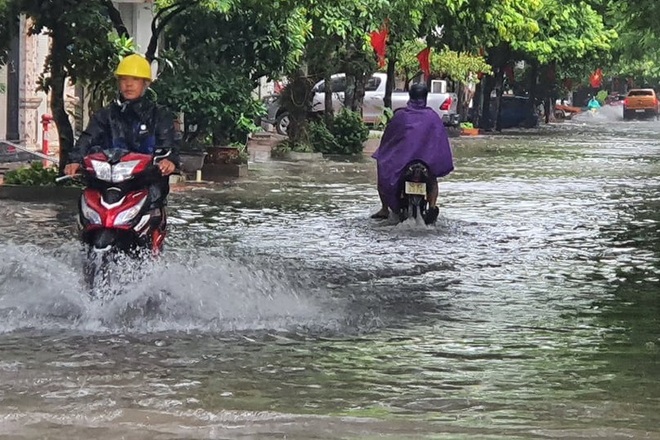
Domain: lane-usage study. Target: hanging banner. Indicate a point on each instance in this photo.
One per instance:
(596, 79)
(424, 61)
(378, 41)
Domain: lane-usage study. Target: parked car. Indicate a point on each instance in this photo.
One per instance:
(515, 111)
(445, 104)
(640, 102)
(615, 99)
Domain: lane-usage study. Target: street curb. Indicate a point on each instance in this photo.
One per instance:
(24, 193)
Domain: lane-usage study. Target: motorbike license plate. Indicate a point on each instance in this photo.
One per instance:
(416, 188)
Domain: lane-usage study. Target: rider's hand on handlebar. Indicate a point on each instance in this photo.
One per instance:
(71, 169)
(166, 167)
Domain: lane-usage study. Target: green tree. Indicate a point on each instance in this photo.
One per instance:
(572, 36)
(336, 41)
(82, 47)
(79, 37)
(406, 20)
(8, 22)
(222, 52)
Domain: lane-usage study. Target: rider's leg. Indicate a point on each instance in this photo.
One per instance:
(432, 192)
(432, 196)
(384, 210)
(158, 192)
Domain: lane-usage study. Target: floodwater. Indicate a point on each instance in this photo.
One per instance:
(281, 311)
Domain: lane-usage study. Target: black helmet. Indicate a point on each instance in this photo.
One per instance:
(418, 91)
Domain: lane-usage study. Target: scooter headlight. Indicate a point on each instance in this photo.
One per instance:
(125, 217)
(123, 170)
(103, 170)
(92, 216)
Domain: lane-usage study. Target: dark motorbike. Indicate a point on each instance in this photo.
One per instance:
(414, 189)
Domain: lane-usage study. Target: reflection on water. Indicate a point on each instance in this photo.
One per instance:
(282, 311)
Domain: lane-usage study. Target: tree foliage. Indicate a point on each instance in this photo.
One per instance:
(219, 48)
(457, 66)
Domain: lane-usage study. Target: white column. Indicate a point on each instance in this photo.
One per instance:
(144, 14)
(137, 16)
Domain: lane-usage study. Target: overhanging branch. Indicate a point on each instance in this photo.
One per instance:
(161, 19)
(115, 17)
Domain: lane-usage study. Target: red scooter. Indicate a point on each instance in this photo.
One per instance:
(115, 210)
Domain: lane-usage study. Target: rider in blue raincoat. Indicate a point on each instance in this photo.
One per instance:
(593, 104)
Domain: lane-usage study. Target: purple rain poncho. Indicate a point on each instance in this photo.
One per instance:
(415, 132)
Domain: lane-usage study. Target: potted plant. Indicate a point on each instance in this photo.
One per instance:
(229, 161)
(467, 129)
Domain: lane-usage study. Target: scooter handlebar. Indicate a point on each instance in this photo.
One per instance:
(66, 177)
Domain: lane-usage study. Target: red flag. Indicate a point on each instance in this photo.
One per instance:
(424, 61)
(379, 43)
(596, 79)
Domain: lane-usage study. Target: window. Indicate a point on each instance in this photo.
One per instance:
(640, 93)
(372, 84)
(339, 84)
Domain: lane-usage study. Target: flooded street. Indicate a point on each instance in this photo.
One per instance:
(280, 310)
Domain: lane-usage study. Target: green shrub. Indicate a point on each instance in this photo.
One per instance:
(350, 132)
(466, 125)
(35, 175)
(280, 150)
(385, 118)
(321, 138)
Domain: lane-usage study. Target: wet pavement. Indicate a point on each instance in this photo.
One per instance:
(280, 310)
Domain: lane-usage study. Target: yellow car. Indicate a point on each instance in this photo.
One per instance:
(640, 102)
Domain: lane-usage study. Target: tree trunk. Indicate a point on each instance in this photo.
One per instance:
(476, 105)
(499, 90)
(389, 85)
(115, 17)
(329, 113)
(58, 103)
(488, 84)
(349, 94)
(460, 105)
(533, 86)
(360, 86)
(160, 20)
(296, 100)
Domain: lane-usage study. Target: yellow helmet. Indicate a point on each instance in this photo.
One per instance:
(134, 65)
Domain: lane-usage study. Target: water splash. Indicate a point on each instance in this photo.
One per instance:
(607, 113)
(182, 291)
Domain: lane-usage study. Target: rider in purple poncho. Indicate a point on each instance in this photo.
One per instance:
(416, 132)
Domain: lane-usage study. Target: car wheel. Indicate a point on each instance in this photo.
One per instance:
(282, 123)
